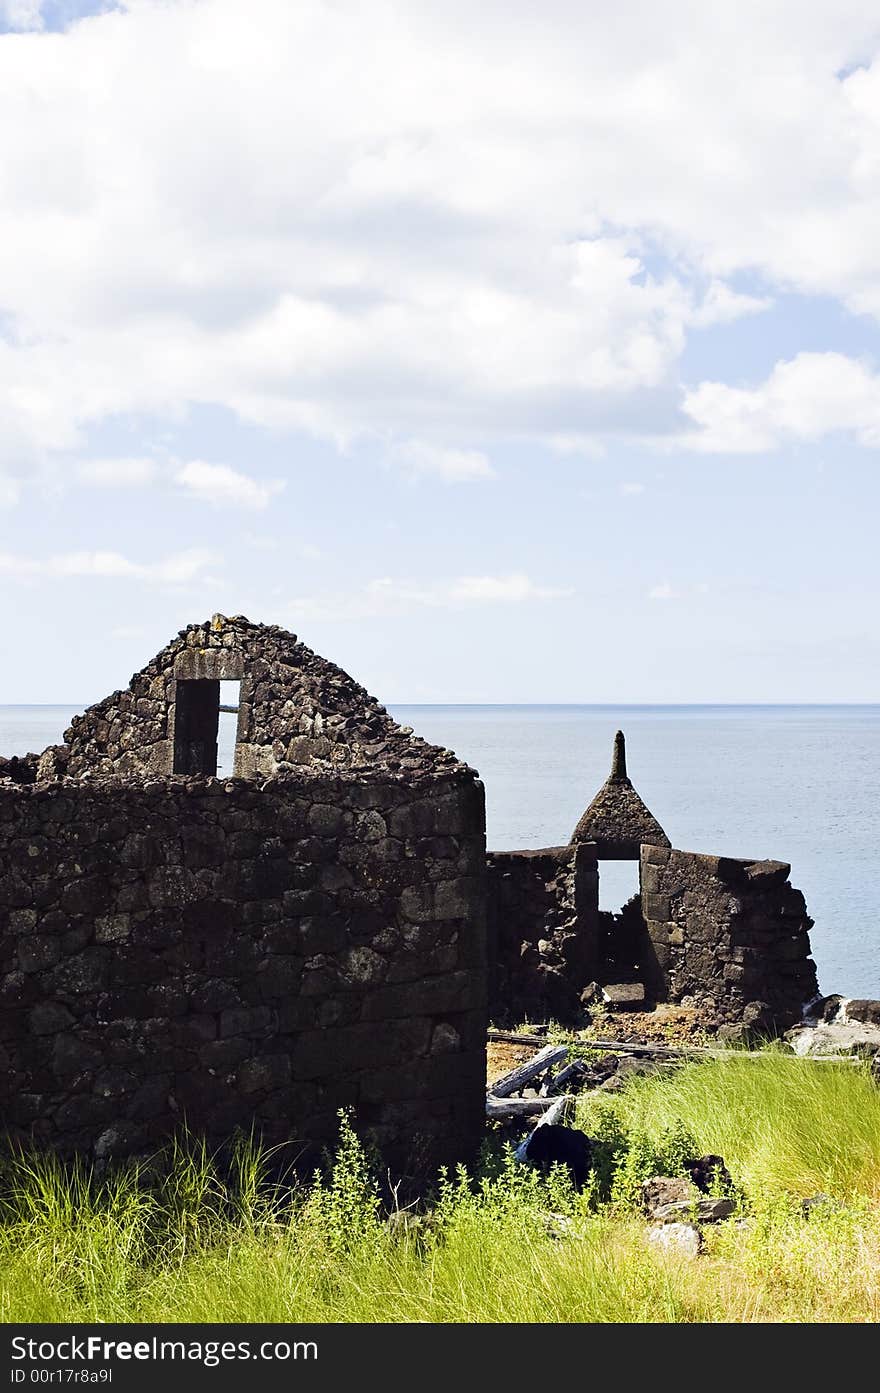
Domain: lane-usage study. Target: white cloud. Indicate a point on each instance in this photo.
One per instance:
(722, 305)
(21, 15)
(803, 399)
(503, 228)
(226, 487)
(455, 466)
(664, 591)
(667, 591)
(304, 551)
(386, 595)
(10, 491)
(117, 473)
(505, 589)
(498, 229)
(632, 490)
(109, 565)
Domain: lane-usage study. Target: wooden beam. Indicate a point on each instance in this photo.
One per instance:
(511, 1037)
(501, 1109)
(521, 1075)
(672, 1051)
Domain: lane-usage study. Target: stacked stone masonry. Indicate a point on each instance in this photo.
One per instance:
(225, 954)
(258, 952)
(543, 931)
(729, 936)
(296, 709)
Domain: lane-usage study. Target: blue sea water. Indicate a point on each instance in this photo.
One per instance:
(796, 783)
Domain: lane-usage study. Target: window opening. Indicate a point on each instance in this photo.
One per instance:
(197, 711)
(618, 882)
(230, 693)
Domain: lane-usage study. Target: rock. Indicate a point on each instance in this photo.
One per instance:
(553, 1145)
(840, 1037)
(705, 1211)
(824, 1008)
(732, 1034)
(865, 1012)
(757, 1016)
(708, 1172)
(626, 1067)
(624, 996)
(755, 1023)
(663, 1190)
(683, 1239)
(669, 1199)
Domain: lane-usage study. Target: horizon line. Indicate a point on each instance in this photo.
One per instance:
(501, 705)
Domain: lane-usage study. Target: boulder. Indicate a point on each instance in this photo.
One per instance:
(705, 1211)
(684, 1239)
(663, 1190)
(551, 1145)
(624, 996)
(670, 1199)
(824, 1008)
(708, 1173)
(843, 1036)
(865, 1012)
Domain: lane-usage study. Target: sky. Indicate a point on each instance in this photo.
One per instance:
(504, 353)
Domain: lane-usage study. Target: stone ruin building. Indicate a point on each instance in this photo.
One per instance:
(323, 929)
(728, 937)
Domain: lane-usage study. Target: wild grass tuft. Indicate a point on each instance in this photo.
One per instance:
(196, 1236)
(781, 1123)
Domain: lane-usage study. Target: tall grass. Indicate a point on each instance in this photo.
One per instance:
(191, 1239)
(781, 1123)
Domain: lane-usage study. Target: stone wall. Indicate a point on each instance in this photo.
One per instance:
(225, 954)
(295, 709)
(729, 936)
(543, 931)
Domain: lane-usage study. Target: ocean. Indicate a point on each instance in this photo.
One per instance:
(794, 783)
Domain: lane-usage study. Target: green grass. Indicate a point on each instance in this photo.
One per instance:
(187, 1240)
(781, 1123)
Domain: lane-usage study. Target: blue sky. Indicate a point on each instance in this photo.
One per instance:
(503, 355)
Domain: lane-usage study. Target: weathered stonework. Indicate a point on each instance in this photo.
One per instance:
(260, 951)
(617, 821)
(731, 936)
(227, 955)
(295, 709)
(248, 952)
(543, 931)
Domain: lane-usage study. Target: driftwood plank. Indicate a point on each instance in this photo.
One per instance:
(523, 1073)
(500, 1109)
(512, 1037)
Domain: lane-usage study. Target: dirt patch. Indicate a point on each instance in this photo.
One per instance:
(664, 1025)
(502, 1057)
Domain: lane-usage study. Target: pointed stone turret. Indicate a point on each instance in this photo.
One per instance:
(617, 819)
(618, 760)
